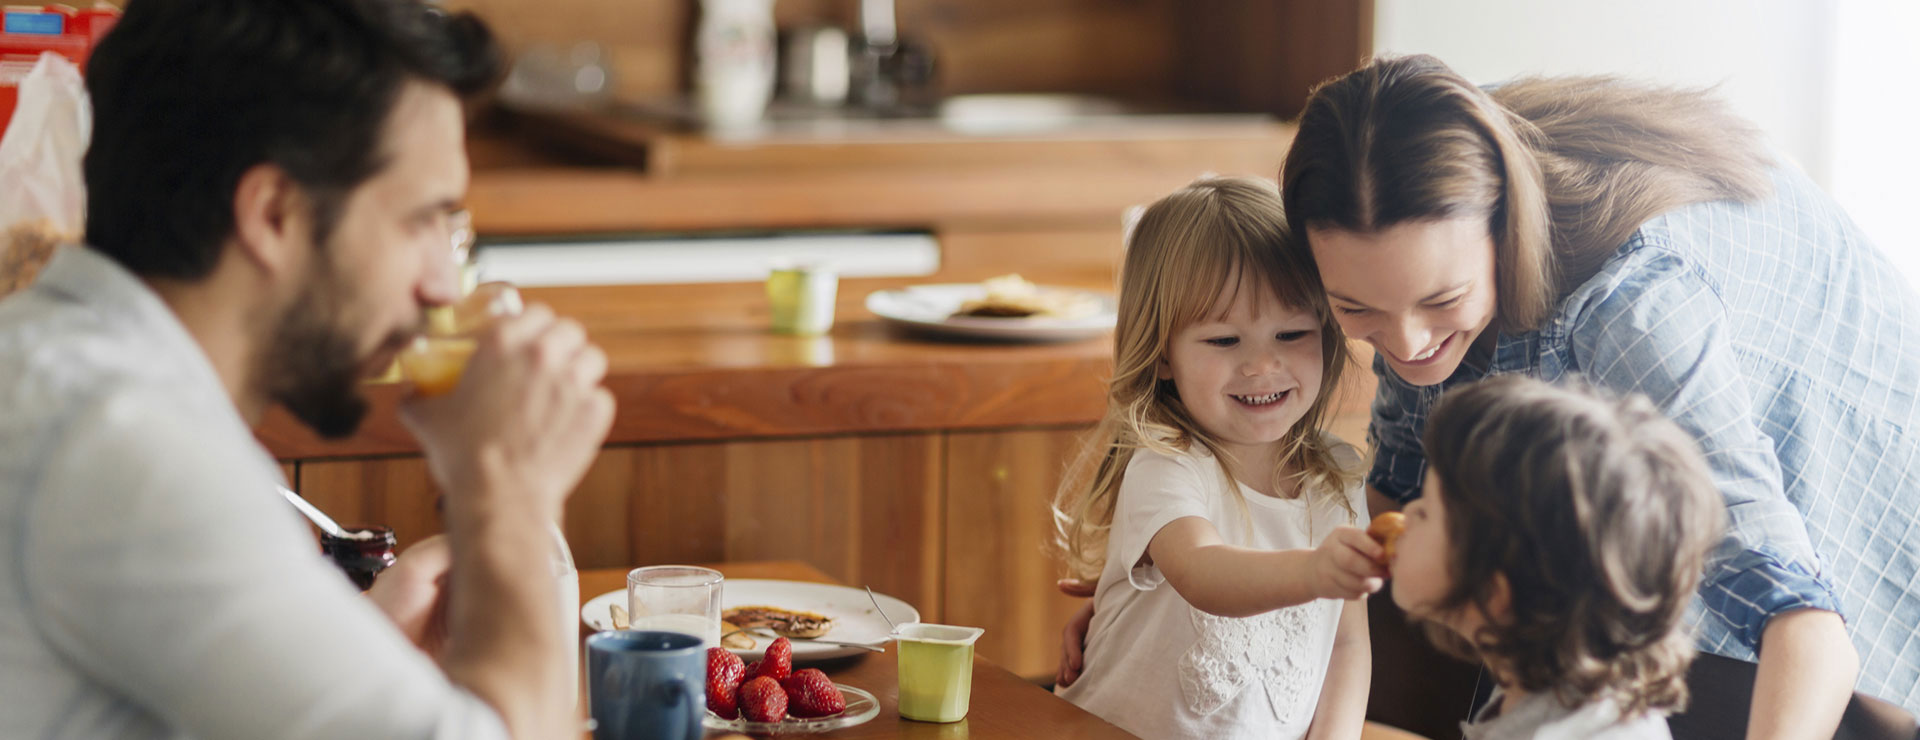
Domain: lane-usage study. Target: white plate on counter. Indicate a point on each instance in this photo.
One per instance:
(930, 308)
(854, 619)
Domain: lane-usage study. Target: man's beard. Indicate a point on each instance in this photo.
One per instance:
(311, 367)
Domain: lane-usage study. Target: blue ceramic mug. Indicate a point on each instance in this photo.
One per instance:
(646, 685)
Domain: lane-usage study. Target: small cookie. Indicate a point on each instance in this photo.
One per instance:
(1385, 529)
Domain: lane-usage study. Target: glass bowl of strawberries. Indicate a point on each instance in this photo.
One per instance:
(770, 698)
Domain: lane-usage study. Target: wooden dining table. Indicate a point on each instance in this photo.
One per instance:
(1003, 705)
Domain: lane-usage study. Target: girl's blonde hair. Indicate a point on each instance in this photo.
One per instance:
(1564, 169)
(1187, 256)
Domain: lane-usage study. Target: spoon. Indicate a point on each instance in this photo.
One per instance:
(891, 627)
(319, 518)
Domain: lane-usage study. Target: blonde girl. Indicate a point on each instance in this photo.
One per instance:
(1215, 513)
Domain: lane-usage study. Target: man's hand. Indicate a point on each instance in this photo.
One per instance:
(412, 593)
(1347, 565)
(507, 446)
(527, 418)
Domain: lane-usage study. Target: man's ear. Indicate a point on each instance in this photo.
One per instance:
(272, 220)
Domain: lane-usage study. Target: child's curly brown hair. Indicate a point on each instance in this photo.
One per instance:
(1600, 513)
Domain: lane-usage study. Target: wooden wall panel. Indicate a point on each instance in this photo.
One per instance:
(650, 505)
(397, 492)
(1113, 46)
(999, 572)
(1264, 55)
(864, 510)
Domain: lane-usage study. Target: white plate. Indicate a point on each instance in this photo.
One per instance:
(854, 619)
(931, 307)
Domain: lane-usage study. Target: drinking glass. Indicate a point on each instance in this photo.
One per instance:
(676, 598)
(437, 358)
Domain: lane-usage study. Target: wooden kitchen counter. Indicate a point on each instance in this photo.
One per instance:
(698, 362)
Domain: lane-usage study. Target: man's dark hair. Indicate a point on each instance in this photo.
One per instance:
(189, 95)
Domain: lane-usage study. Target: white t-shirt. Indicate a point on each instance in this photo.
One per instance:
(1158, 667)
(1543, 717)
(152, 583)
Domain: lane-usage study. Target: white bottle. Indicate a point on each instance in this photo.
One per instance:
(568, 579)
(734, 67)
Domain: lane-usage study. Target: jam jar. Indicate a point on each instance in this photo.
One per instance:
(363, 553)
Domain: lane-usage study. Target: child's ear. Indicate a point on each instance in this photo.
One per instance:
(1500, 598)
(1162, 369)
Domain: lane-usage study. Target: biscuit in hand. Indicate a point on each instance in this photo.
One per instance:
(1385, 529)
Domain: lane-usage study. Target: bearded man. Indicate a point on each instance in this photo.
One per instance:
(270, 186)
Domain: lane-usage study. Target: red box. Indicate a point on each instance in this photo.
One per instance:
(20, 51)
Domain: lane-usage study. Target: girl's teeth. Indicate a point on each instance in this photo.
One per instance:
(1258, 400)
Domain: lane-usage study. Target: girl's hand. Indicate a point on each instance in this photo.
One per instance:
(1347, 565)
(1073, 645)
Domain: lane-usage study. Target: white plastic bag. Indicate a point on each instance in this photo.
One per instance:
(42, 192)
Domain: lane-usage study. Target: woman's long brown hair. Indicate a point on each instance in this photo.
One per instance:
(1563, 169)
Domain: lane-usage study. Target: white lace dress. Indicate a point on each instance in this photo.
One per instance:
(1160, 668)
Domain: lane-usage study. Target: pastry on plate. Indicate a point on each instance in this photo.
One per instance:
(784, 622)
(1011, 296)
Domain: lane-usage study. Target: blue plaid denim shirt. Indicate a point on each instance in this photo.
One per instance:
(1790, 348)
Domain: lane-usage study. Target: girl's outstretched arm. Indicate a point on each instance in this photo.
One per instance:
(1228, 581)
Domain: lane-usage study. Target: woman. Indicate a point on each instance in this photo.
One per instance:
(1639, 240)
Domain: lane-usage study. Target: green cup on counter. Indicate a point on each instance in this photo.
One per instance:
(936, 670)
(801, 298)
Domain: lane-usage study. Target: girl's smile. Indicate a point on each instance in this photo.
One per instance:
(1247, 372)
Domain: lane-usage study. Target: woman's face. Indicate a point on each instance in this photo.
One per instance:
(1420, 292)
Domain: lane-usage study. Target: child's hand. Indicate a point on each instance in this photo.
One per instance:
(1347, 565)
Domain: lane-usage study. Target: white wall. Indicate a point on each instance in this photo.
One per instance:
(1771, 58)
(1875, 121)
(1833, 82)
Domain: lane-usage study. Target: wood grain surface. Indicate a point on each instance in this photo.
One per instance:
(999, 528)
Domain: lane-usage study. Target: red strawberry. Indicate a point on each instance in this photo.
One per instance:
(724, 675)
(778, 662)
(762, 700)
(811, 694)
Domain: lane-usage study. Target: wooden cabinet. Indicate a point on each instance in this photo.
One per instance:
(863, 509)
(1001, 569)
(396, 492)
(955, 523)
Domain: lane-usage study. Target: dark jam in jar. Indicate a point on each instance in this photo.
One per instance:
(362, 554)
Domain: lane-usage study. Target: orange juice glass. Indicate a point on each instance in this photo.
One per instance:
(437, 359)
